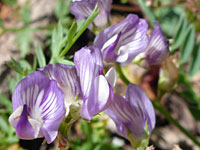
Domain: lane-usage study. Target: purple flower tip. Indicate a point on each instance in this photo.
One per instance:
(132, 112)
(122, 42)
(96, 88)
(158, 48)
(82, 9)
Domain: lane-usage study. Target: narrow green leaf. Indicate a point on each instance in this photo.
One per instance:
(63, 61)
(57, 38)
(188, 45)
(4, 101)
(15, 66)
(195, 64)
(180, 33)
(72, 31)
(81, 30)
(3, 124)
(147, 10)
(40, 56)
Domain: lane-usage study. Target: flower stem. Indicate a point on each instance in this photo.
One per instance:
(161, 109)
(121, 74)
(83, 28)
(168, 116)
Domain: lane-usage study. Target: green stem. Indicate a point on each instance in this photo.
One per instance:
(4, 30)
(161, 109)
(85, 26)
(167, 115)
(121, 74)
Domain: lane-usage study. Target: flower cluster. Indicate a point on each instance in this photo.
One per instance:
(42, 99)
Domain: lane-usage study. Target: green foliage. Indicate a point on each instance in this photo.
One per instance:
(188, 44)
(189, 95)
(7, 133)
(95, 137)
(24, 40)
(25, 13)
(40, 56)
(195, 63)
(62, 11)
(148, 12)
(10, 2)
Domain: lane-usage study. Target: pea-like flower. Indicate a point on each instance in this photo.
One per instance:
(82, 9)
(158, 48)
(131, 114)
(124, 41)
(67, 80)
(38, 106)
(96, 88)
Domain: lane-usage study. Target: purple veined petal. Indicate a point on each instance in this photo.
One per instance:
(138, 100)
(111, 76)
(139, 42)
(82, 9)
(97, 92)
(132, 113)
(157, 50)
(38, 106)
(88, 63)
(67, 79)
(126, 38)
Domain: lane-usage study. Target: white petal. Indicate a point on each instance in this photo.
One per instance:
(36, 126)
(111, 76)
(13, 119)
(102, 91)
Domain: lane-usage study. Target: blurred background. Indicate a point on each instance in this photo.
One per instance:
(25, 23)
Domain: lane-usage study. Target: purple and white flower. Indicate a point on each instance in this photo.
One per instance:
(158, 48)
(124, 41)
(38, 106)
(67, 80)
(131, 113)
(96, 88)
(82, 9)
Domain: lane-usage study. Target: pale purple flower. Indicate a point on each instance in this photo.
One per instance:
(82, 9)
(158, 48)
(124, 41)
(38, 106)
(67, 80)
(131, 113)
(96, 88)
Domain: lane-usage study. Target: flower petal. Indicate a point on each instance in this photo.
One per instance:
(157, 50)
(88, 62)
(43, 107)
(142, 105)
(111, 76)
(121, 38)
(67, 79)
(138, 43)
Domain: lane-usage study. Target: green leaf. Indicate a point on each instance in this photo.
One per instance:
(180, 33)
(147, 10)
(25, 13)
(63, 61)
(24, 40)
(72, 31)
(4, 101)
(81, 30)
(62, 9)
(40, 56)
(57, 38)
(3, 124)
(195, 64)
(15, 66)
(195, 112)
(188, 45)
